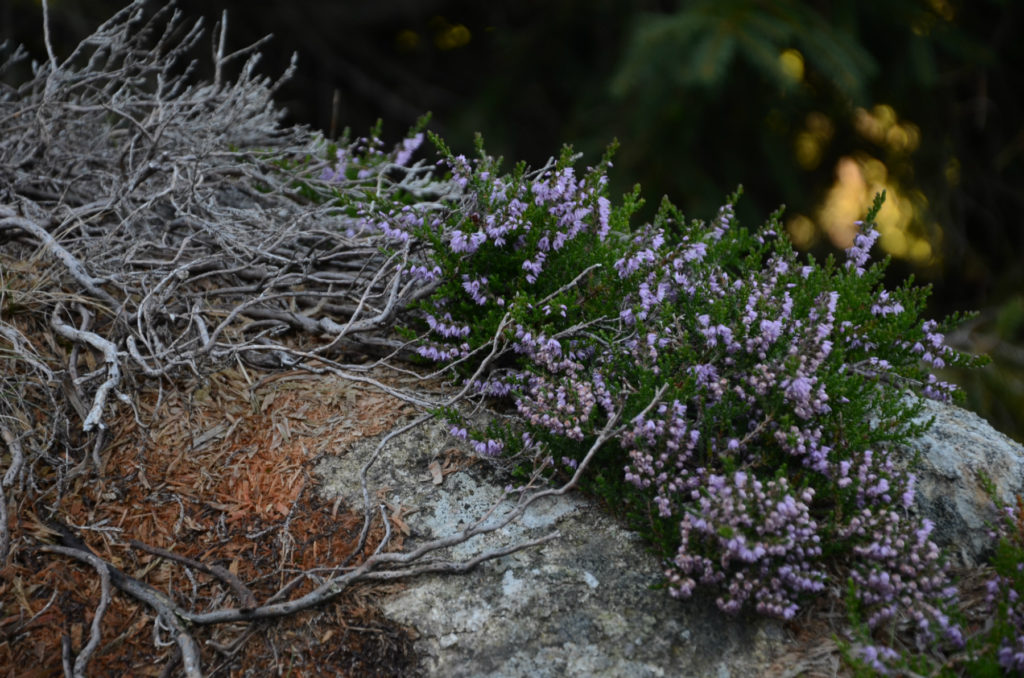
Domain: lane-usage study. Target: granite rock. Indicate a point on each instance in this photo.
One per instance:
(949, 489)
(584, 604)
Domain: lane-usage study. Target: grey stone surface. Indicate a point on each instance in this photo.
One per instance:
(585, 603)
(581, 605)
(949, 491)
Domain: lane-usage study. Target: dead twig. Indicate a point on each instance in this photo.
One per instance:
(245, 596)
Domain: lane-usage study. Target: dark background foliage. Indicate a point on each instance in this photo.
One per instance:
(813, 104)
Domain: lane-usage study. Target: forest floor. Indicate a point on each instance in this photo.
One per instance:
(221, 477)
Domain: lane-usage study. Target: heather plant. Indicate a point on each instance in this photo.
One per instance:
(755, 396)
(1005, 596)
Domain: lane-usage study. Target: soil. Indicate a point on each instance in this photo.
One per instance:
(217, 474)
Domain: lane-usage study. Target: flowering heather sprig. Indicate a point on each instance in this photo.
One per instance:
(1001, 592)
(409, 146)
(503, 232)
(439, 353)
(358, 160)
(446, 327)
(858, 255)
(877, 658)
(898, 571)
(474, 289)
(423, 273)
(361, 168)
(337, 172)
(765, 542)
(489, 447)
(555, 408)
(1005, 591)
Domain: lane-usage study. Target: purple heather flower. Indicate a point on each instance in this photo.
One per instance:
(877, 657)
(424, 273)
(461, 170)
(1011, 656)
(440, 354)
(884, 308)
(533, 268)
(771, 330)
(409, 147)
(446, 327)
(907, 498)
(695, 252)
(336, 174)
(858, 255)
(627, 266)
(722, 222)
(393, 233)
(799, 389)
(604, 207)
(489, 447)
(458, 242)
(706, 374)
(473, 289)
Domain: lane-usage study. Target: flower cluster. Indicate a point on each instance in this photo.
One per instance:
(365, 157)
(897, 570)
(1011, 648)
(762, 395)
(764, 540)
(363, 167)
(1005, 591)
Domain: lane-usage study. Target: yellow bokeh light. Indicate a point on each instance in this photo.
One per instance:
(893, 241)
(808, 150)
(952, 172)
(791, 63)
(453, 37)
(844, 203)
(913, 136)
(943, 9)
(882, 126)
(858, 180)
(802, 231)
(903, 138)
(920, 251)
(897, 138)
(407, 40)
(867, 125)
(809, 144)
(874, 170)
(885, 114)
(820, 125)
(893, 219)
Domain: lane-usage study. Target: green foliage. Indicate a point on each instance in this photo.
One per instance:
(696, 45)
(998, 389)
